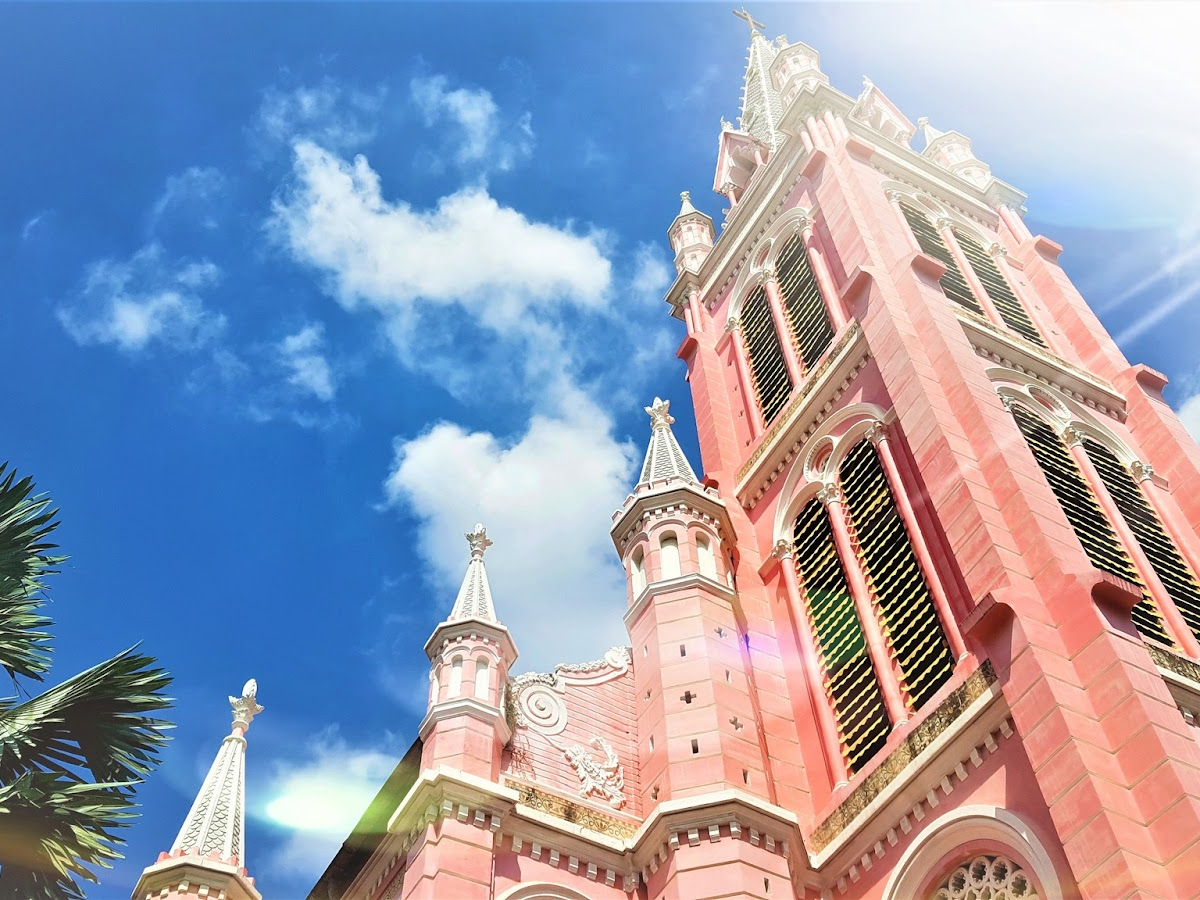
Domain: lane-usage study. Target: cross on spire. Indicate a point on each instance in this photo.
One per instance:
(749, 19)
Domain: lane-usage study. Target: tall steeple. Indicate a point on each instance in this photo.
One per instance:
(474, 599)
(209, 851)
(762, 107)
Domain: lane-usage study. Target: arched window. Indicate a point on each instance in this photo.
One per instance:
(954, 283)
(768, 368)
(1089, 523)
(638, 571)
(456, 677)
(705, 558)
(433, 685)
(807, 316)
(482, 681)
(913, 635)
(668, 557)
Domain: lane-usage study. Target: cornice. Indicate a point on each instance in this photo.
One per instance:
(806, 409)
(465, 706)
(1014, 352)
(192, 873)
(471, 629)
(665, 496)
(691, 579)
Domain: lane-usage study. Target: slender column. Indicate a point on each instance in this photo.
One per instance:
(881, 659)
(1171, 617)
(699, 316)
(745, 383)
(728, 189)
(783, 328)
(831, 124)
(827, 727)
(1015, 223)
(1160, 501)
(837, 312)
(997, 252)
(945, 227)
(759, 160)
(906, 229)
(937, 588)
(817, 131)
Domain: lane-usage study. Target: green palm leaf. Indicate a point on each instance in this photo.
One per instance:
(25, 522)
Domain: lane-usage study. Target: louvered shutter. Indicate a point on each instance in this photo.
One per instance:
(1005, 301)
(849, 677)
(772, 383)
(911, 622)
(1143, 521)
(1088, 521)
(954, 285)
(812, 332)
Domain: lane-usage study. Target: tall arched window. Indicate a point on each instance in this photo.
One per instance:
(915, 642)
(456, 677)
(954, 284)
(705, 558)
(768, 368)
(850, 684)
(1079, 504)
(668, 557)
(638, 570)
(482, 682)
(807, 316)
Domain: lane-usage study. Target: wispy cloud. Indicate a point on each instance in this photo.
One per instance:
(192, 194)
(483, 138)
(328, 114)
(303, 355)
(148, 299)
(31, 225)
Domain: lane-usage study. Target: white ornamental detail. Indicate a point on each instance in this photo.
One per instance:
(605, 779)
(987, 877)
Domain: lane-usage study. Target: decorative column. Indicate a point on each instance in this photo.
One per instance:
(838, 313)
(1160, 501)
(827, 727)
(745, 384)
(699, 317)
(905, 229)
(941, 599)
(881, 659)
(1166, 606)
(783, 328)
(945, 227)
(727, 190)
(1015, 224)
(997, 252)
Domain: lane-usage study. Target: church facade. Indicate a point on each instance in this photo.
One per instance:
(928, 625)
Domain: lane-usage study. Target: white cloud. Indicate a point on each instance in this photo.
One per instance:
(468, 250)
(546, 499)
(147, 299)
(31, 224)
(302, 354)
(327, 114)
(485, 139)
(192, 193)
(320, 799)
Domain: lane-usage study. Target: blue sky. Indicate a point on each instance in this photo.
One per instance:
(294, 294)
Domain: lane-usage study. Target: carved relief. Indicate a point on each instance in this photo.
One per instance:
(604, 779)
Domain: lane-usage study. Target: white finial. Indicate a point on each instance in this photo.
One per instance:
(246, 707)
(478, 540)
(660, 413)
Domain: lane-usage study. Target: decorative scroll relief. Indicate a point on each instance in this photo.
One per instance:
(987, 877)
(538, 697)
(605, 779)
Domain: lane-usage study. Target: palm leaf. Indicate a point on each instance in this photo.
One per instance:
(101, 719)
(25, 523)
(54, 831)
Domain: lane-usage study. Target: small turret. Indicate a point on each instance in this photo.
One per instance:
(691, 235)
(952, 151)
(470, 654)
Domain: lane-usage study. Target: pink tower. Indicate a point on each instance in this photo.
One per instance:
(929, 626)
(208, 856)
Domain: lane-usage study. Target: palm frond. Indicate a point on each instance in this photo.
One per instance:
(102, 720)
(25, 560)
(55, 831)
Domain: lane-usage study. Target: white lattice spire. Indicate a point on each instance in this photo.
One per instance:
(762, 107)
(664, 456)
(931, 134)
(474, 599)
(217, 820)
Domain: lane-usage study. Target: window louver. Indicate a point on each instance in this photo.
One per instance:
(1006, 302)
(954, 285)
(811, 331)
(849, 681)
(1083, 512)
(772, 382)
(1143, 521)
(911, 623)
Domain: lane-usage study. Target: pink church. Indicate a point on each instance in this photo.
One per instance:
(927, 627)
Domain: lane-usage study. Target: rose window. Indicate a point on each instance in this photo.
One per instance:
(987, 877)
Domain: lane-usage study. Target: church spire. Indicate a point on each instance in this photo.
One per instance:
(664, 457)
(210, 850)
(474, 599)
(762, 107)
